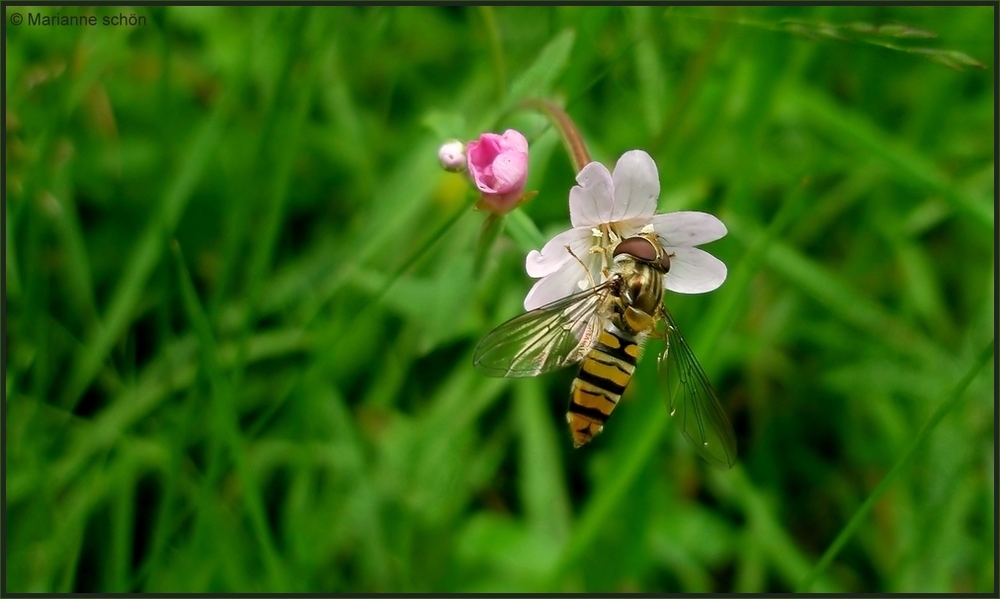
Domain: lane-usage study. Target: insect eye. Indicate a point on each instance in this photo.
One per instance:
(665, 263)
(638, 247)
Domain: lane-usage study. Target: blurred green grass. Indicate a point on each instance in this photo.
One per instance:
(285, 402)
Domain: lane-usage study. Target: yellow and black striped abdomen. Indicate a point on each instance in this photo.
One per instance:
(602, 379)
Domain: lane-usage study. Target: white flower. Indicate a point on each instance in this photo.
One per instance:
(606, 208)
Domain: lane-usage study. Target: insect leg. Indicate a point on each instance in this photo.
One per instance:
(593, 283)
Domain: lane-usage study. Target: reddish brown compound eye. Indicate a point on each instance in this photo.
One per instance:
(665, 262)
(637, 247)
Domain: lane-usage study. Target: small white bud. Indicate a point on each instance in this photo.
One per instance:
(452, 156)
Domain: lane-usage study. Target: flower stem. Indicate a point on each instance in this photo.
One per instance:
(571, 136)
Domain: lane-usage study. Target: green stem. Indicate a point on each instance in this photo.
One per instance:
(571, 136)
(866, 507)
(438, 235)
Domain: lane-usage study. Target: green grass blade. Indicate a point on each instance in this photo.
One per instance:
(524, 231)
(496, 49)
(542, 481)
(649, 69)
(861, 514)
(540, 76)
(144, 257)
(228, 420)
(911, 167)
(289, 129)
(843, 301)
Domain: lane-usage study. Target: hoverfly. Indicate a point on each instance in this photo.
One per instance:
(604, 328)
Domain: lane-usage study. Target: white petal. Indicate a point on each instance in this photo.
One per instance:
(637, 185)
(591, 202)
(631, 228)
(570, 279)
(693, 271)
(554, 255)
(688, 229)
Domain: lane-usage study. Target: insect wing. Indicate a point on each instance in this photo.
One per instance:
(693, 402)
(545, 339)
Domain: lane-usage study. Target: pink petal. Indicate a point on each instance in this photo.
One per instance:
(636, 185)
(484, 179)
(592, 201)
(513, 140)
(480, 155)
(483, 150)
(554, 255)
(687, 229)
(693, 270)
(492, 170)
(510, 171)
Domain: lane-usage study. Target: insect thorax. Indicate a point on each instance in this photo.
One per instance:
(639, 292)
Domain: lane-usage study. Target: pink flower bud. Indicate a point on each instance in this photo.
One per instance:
(499, 166)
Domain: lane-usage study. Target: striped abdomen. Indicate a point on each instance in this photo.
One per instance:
(603, 376)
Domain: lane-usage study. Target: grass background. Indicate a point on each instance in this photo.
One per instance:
(241, 301)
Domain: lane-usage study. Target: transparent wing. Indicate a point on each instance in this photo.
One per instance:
(545, 339)
(693, 402)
